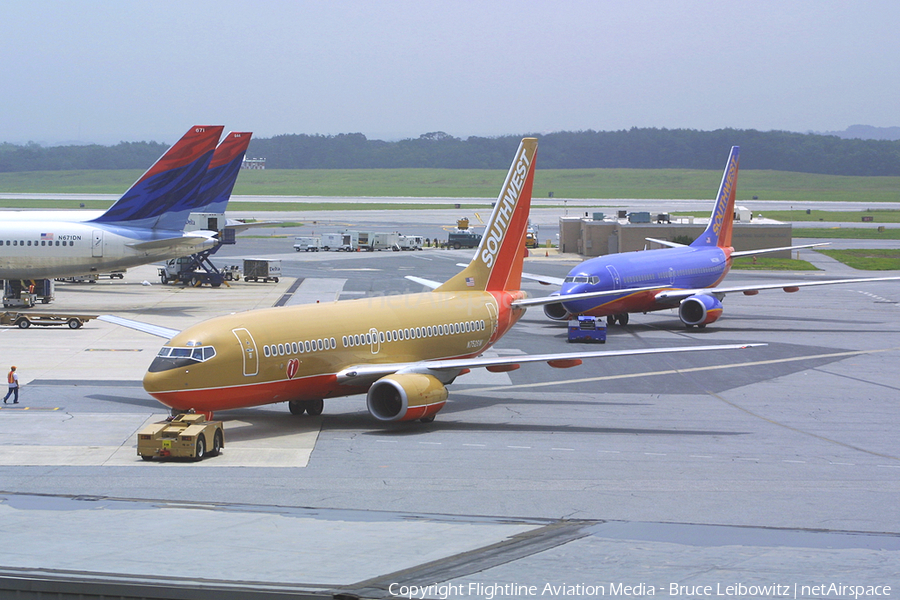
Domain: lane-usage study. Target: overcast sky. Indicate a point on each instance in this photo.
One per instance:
(104, 71)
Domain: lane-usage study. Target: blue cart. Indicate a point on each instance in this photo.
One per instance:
(587, 329)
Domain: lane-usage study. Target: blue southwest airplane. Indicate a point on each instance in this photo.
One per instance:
(682, 277)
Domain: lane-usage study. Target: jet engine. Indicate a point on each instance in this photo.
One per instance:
(556, 312)
(406, 397)
(700, 310)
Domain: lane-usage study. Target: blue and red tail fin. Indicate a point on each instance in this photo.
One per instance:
(162, 198)
(497, 265)
(721, 221)
(217, 185)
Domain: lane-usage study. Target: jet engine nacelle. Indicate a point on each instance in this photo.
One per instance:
(406, 397)
(700, 309)
(556, 312)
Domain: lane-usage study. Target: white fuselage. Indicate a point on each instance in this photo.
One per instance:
(48, 249)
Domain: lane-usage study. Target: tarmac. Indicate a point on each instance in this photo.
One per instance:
(767, 472)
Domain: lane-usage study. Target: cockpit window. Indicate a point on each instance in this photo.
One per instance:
(200, 354)
(580, 279)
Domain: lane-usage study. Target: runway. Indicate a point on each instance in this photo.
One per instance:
(774, 464)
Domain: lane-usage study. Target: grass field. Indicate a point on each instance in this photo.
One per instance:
(765, 263)
(475, 183)
(848, 233)
(868, 259)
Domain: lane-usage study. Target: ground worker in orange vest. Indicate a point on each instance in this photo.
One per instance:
(13, 379)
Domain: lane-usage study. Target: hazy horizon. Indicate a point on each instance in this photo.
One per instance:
(105, 71)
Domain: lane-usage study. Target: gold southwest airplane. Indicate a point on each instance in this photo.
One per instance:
(401, 351)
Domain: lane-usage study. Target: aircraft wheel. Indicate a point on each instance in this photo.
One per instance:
(201, 448)
(296, 407)
(218, 443)
(622, 318)
(427, 419)
(701, 326)
(314, 408)
(610, 320)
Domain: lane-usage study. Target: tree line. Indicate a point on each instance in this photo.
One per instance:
(636, 148)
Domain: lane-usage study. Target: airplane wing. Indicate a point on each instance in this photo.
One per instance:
(749, 289)
(157, 330)
(765, 250)
(360, 374)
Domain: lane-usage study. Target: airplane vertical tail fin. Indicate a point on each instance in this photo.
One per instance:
(162, 197)
(721, 221)
(497, 264)
(217, 185)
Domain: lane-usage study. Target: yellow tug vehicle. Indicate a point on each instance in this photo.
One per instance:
(187, 435)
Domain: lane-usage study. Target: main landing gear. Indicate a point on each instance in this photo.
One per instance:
(313, 408)
(621, 318)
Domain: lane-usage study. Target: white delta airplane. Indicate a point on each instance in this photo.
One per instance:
(145, 225)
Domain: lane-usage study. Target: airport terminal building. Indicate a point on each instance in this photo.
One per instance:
(598, 234)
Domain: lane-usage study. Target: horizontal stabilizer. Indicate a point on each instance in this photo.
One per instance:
(422, 281)
(193, 241)
(544, 279)
(238, 226)
(765, 250)
(666, 243)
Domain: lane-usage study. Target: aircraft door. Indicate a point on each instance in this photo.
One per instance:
(248, 351)
(616, 280)
(494, 322)
(376, 342)
(97, 243)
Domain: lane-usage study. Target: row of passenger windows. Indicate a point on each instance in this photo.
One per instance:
(656, 276)
(42, 243)
(413, 333)
(299, 347)
(369, 338)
